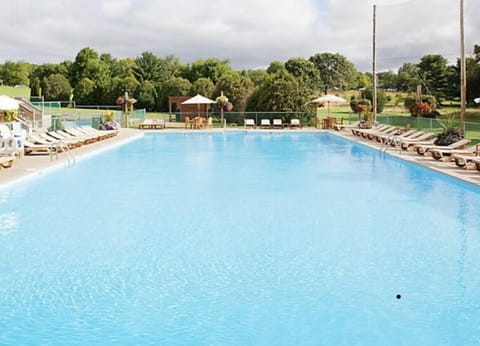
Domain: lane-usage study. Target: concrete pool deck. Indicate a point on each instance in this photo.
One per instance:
(35, 165)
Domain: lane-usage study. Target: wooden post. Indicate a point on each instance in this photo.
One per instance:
(463, 81)
(374, 67)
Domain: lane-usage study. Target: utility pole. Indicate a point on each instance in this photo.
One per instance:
(374, 67)
(463, 81)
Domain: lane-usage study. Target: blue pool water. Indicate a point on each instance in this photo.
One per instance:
(240, 239)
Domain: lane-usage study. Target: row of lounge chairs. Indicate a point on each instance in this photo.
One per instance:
(56, 141)
(152, 124)
(424, 144)
(8, 150)
(274, 124)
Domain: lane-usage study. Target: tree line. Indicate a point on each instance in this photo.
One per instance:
(99, 79)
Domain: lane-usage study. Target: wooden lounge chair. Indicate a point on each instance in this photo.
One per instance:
(104, 134)
(397, 140)
(441, 153)
(295, 123)
(341, 127)
(70, 141)
(265, 124)
(462, 160)
(146, 124)
(152, 124)
(249, 123)
(425, 139)
(32, 148)
(476, 163)
(422, 149)
(89, 138)
(358, 131)
(277, 124)
(389, 131)
(7, 161)
(384, 138)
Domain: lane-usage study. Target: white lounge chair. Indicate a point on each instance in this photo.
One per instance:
(249, 123)
(295, 123)
(277, 123)
(265, 124)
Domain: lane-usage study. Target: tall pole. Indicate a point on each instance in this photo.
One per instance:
(374, 65)
(463, 81)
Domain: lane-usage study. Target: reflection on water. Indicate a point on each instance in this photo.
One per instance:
(4, 196)
(9, 223)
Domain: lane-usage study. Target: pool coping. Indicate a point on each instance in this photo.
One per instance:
(36, 165)
(32, 166)
(472, 177)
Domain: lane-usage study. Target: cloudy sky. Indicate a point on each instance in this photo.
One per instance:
(249, 33)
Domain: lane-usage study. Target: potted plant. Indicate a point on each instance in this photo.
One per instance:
(451, 130)
(10, 115)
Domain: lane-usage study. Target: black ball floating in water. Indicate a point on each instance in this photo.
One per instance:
(399, 296)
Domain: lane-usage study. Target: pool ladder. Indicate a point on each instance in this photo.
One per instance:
(61, 146)
(395, 139)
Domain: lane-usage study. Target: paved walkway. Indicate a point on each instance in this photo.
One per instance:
(34, 165)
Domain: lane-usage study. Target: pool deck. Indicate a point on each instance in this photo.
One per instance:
(34, 165)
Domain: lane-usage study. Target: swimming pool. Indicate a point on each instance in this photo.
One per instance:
(259, 238)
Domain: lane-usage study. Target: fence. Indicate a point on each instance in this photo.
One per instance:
(238, 118)
(472, 130)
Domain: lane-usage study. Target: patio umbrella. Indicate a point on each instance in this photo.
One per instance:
(198, 100)
(328, 98)
(7, 103)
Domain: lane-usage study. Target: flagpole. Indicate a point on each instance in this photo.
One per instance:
(374, 67)
(463, 81)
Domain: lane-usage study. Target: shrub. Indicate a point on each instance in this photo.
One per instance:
(381, 96)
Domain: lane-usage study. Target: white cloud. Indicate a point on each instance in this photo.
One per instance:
(250, 33)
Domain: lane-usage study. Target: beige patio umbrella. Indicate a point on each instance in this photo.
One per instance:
(327, 98)
(198, 100)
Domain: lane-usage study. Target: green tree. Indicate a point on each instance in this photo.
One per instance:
(211, 68)
(84, 92)
(170, 67)
(304, 70)
(56, 87)
(407, 78)
(433, 71)
(275, 66)
(88, 66)
(147, 96)
(335, 71)
(120, 85)
(256, 76)
(175, 86)
(236, 87)
(363, 80)
(387, 80)
(147, 67)
(280, 92)
(15, 73)
(203, 86)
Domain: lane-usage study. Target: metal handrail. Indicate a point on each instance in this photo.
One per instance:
(61, 145)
